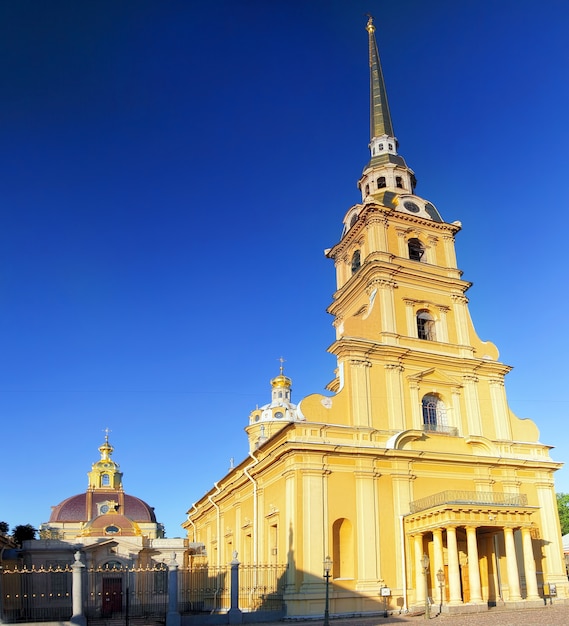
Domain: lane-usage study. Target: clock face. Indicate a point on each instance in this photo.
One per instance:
(105, 508)
(411, 206)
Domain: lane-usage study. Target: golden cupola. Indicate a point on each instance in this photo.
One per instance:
(105, 473)
(268, 419)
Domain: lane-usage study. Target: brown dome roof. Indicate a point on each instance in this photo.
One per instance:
(74, 509)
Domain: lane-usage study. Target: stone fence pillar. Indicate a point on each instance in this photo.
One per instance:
(173, 617)
(235, 614)
(78, 568)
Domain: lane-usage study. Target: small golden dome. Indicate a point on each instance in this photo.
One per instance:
(281, 381)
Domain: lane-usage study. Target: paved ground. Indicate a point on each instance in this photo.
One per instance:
(550, 615)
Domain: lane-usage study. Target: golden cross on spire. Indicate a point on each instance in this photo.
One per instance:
(107, 431)
(282, 366)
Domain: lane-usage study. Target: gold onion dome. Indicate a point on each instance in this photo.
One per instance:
(281, 381)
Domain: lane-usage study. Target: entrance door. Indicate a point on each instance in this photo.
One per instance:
(112, 596)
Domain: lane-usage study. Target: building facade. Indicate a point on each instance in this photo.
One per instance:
(414, 475)
(110, 527)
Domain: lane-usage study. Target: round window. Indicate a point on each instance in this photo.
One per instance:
(112, 530)
(279, 415)
(411, 206)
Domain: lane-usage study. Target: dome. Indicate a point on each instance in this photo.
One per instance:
(74, 509)
(112, 524)
(281, 381)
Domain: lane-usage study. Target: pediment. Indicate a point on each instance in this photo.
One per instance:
(433, 376)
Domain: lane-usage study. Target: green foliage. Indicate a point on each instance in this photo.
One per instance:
(4, 528)
(563, 509)
(23, 532)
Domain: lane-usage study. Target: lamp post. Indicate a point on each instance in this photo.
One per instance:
(327, 568)
(441, 579)
(425, 566)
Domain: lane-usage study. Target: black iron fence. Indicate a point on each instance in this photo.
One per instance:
(35, 595)
(204, 588)
(113, 593)
(126, 592)
(261, 587)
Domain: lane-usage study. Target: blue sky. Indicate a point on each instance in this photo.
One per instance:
(170, 174)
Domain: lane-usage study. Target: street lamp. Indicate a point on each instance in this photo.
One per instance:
(425, 566)
(441, 579)
(327, 568)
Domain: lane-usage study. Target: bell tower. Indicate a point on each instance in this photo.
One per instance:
(405, 343)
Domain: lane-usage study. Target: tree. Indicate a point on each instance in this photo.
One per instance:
(23, 532)
(563, 510)
(4, 528)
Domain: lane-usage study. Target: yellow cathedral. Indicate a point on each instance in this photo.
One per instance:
(413, 476)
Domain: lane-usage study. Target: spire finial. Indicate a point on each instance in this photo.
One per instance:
(281, 366)
(107, 431)
(380, 122)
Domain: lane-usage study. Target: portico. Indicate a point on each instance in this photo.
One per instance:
(486, 545)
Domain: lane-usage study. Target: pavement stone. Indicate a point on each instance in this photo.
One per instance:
(548, 615)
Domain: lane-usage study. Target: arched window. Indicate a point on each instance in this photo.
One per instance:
(367, 190)
(105, 480)
(399, 182)
(356, 261)
(381, 182)
(416, 250)
(354, 219)
(425, 326)
(343, 549)
(434, 413)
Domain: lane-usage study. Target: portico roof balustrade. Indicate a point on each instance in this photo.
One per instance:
(469, 498)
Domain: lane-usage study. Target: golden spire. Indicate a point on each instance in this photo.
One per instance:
(380, 118)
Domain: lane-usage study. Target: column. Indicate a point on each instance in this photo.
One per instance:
(431, 250)
(314, 528)
(529, 566)
(461, 316)
(448, 242)
(173, 617)
(500, 409)
(473, 421)
(512, 566)
(455, 595)
(420, 590)
(393, 373)
(411, 330)
(290, 521)
(387, 309)
(234, 614)
(78, 568)
(438, 558)
(367, 529)
(473, 566)
(416, 412)
(360, 395)
(442, 329)
(552, 547)
(377, 234)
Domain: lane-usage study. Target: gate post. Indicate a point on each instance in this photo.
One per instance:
(235, 614)
(173, 617)
(78, 616)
